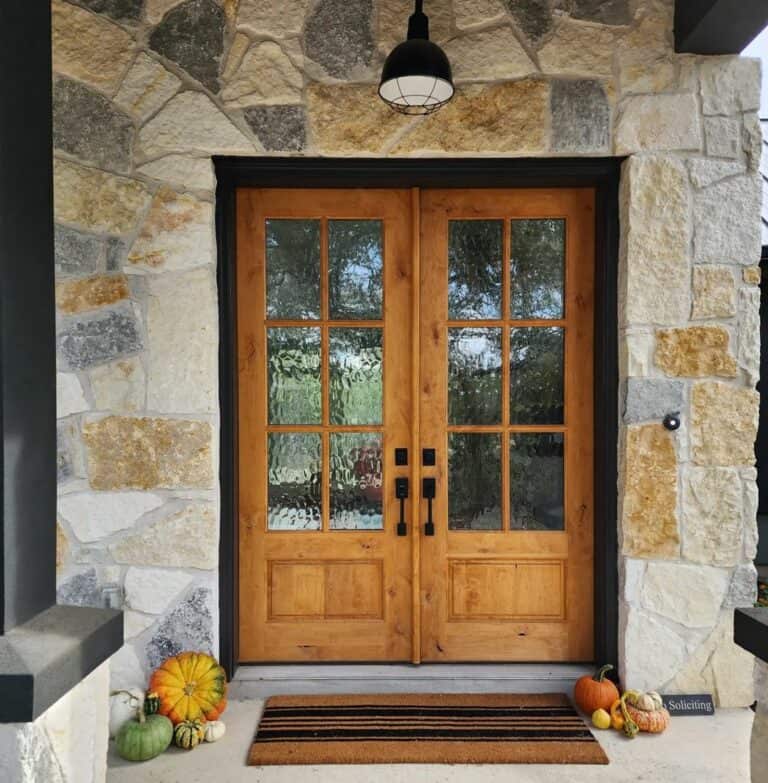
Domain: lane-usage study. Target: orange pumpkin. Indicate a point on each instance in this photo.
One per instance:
(191, 686)
(652, 721)
(595, 693)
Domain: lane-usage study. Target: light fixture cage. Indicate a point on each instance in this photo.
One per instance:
(416, 77)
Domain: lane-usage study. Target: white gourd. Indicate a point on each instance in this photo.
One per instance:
(122, 707)
(214, 730)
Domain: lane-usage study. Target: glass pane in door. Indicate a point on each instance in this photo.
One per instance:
(293, 370)
(293, 269)
(474, 376)
(474, 481)
(536, 375)
(355, 261)
(355, 361)
(356, 481)
(537, 268)
(536, 481)
(474, 268)
(294, 481)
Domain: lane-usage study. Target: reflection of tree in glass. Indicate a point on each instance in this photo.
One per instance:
(354, 268)
(356, 481)
(536, 481)
(355, 376)
(294, 375)
(474, 376)
(536, 375)
(293, 269)
(537, 268)
(474, 481)
(474, 268)
(294, 481)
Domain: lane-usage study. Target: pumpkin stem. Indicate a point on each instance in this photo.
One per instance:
(141, 717)
(600, 673)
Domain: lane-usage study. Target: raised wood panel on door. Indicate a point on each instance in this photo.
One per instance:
(331, 595)
(509, 595)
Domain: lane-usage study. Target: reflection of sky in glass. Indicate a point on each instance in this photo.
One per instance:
(355, 265)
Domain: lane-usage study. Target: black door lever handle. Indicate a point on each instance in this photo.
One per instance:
(428, 491)
(401, 493)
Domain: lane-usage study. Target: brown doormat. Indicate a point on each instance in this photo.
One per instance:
(424, 729)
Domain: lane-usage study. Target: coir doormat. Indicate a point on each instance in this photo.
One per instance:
(424, 729)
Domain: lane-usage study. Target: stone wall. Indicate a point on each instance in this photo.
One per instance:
(145, 91)
(67, 743)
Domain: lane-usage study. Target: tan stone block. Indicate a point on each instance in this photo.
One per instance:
(157, 9)
(146, 87)
(120, 386)
(239, 47)
(393, 22)
(578, 48)
(645, 55)
(186, 539)
(509, 118)
(655, 207)
(367, 129)
(712, 516)
(489, 54)
(658, 122)
(76, 296)
(472, 12)
(177, 233)
(181, 171)
(96, 200)
(714, 292)
(636, 354)
(749, 333)
(265, 75)
(88, 47)
(144, 453)
(274, 19)
(752, 275)
(723, 424)
(62, 546)
(649, 511)
(695, 352)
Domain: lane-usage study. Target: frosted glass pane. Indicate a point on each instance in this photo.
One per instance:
(536, 481)
(356, 481)
(355, 376)
(355, 260)
(294, 375)
(474, 481)
(294, 481)
(537, 268)
(474, 268)
(474, 376)
(293, 269)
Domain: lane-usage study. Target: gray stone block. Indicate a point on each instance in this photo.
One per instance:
(86, 342)
(338, 36)
(87, 125)
(80, 253)
(81, 590)
(192, 36)
(189, 626)
(278, 127)
(580, 116)
(533, 17)
(129, 10)
(652, 398)
(603, 11)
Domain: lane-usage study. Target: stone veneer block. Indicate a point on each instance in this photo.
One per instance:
(181, 171)
(266, 75)
(183, 539)
(94, 516)
(144, 453)
(580, 116)
(177, 233)
(468, 13)
(706, 172)
(616, 12)
(279, 128)
(578, 49)
(533, 17)
(87, 47)
(752, 275)
(392, 22)
(98, 338)
(742, 590)
(69, 395)
(650, 399)
(695, 352)
(80, 253)
(658, 122)
(89, 293)
(192, 122)
(273, 19)
(120, 386)
(489, 54)
(146, 87)
(722, 137)
(749, 333)
(649, 515)
(182, 337)
(338, 36)
(96, 200)
(723, 424)
(729, 85)
(655, 206)
(192, 36)
(69, 458)
(724, 216)
(151, 590)
(510, 117)
(714, 292)
(87, 125)
(752, 141)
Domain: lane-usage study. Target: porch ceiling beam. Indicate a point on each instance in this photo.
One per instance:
(718, 26)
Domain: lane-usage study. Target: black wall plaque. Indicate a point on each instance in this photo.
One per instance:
(689, 704)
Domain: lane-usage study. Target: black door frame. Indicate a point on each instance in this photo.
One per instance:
(297, 172)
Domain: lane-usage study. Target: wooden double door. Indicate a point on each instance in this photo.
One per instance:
(415, 436)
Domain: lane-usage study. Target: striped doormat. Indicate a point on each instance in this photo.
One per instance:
(423, 729)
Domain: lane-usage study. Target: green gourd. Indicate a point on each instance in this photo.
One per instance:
(144, 737)
(151, 703)
(188, 734)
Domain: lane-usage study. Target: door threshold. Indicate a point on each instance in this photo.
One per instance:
(263, 680)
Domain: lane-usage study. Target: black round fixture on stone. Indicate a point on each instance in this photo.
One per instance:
(672, 421)
(416, 78)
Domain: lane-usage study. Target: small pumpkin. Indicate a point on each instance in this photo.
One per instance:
(122, 707)
(189, 734)
(647, 702)
(601, 719)
(190, 686)
(595, 693)
(617, 719)
(214, 730)
(151, 703)
(652, 721)
(144, 737)
(631, 729)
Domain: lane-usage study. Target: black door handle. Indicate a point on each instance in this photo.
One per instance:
(428, 491)
(401, 493)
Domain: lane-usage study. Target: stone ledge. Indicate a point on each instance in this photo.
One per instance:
(46, 657)
(750, 631)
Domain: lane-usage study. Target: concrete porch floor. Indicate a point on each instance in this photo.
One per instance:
(692, 750)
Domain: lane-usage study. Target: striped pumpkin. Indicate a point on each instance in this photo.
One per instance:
(190, 686)
(652, 721)
(189, 734)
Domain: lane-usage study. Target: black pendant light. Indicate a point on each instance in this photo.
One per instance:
(416, 78)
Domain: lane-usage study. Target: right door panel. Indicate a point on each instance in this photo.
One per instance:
(506, 375)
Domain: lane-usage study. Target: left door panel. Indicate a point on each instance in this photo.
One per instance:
(324, 335)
